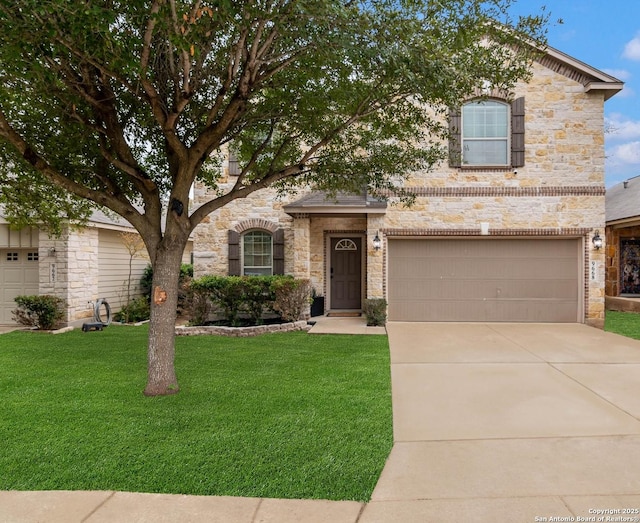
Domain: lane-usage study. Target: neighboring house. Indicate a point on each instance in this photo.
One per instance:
(503, 232)
(80, 266)
(623, 239)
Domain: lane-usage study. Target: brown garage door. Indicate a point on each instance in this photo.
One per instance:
(519, 280)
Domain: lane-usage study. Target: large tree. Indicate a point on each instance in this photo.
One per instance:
(125, 104)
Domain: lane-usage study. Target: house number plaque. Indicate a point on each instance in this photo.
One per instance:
(593, 271)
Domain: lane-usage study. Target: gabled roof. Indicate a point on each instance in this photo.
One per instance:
(623, 201)
(593, 79)
(318, 202)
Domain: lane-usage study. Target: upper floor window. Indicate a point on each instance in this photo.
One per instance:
(257, 253)
(485, 133)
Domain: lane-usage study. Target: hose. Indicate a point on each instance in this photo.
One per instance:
(96, 311)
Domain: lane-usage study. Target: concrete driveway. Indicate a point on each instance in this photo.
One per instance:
(511, 422)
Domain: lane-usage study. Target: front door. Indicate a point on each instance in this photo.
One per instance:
(346, 275)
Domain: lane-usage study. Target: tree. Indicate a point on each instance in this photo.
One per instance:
(135, 248)
(124, 105)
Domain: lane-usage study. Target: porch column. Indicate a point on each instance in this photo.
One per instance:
(375, 259)
(301, 246)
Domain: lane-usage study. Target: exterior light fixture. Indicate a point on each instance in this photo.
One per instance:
(377, 242)
(597, 241)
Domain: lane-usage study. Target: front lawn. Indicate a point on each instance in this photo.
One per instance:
(281, 415)
(624, 323)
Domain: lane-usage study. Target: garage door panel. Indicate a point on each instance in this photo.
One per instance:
(535, 280)
(417, 289)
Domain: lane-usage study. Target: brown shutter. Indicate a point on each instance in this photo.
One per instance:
(278, 252)
(235, 267)
(455, 146)
(517, 132)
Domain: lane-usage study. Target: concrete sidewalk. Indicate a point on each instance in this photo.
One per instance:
(492, 423)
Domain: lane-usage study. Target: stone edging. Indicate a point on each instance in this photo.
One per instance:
(241, 331)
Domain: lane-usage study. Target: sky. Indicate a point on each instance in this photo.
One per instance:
(604, 34)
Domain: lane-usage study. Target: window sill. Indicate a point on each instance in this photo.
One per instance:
(498, 168)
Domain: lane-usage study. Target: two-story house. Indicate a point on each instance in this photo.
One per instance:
(502, 232)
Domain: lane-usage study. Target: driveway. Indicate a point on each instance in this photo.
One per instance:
(511, 422)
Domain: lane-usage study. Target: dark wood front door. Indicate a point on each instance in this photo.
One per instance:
(346, 273)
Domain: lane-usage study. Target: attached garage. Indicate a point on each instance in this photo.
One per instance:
(18, 275)
(485, 279)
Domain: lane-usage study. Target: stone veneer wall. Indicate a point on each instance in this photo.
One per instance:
(72, 273)
(559, 189)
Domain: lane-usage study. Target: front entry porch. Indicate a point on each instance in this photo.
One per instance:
(332, 244)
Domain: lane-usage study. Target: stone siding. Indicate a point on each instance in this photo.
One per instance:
(72, 272)
(559, 189)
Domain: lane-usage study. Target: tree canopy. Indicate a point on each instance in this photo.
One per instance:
(125, 104)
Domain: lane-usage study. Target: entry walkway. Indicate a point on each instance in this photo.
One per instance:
(492, 423)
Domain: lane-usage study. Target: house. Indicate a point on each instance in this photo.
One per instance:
(80, 266)
(502, 232)
(622, 261)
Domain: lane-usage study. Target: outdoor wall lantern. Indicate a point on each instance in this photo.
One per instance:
(597, 241)
(377, 242)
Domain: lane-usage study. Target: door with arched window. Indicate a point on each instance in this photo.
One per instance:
(346, 273)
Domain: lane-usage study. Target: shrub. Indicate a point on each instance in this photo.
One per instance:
(375, 310)
(258, 296)
(136, 310)
(198, 302)
(252, 296)
(225, 292)
(43, 312)
(292, 298)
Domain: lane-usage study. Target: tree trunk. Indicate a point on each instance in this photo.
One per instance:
(161, 376)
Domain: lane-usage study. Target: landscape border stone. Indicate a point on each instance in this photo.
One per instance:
(244, 332)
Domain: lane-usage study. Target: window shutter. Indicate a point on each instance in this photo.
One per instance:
(235, 267)
(234, 168)
(455, 147)
(278, 252)
(517, 132)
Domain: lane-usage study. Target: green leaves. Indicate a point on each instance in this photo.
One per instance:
(126, 102)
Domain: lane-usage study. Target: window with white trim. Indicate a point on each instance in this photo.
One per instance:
(257, 253)
(485, 133)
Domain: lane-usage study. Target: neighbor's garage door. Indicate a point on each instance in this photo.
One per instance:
(18, 275)
(518, 280)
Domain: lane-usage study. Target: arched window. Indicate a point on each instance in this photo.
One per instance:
(257, 253)
(485, 133)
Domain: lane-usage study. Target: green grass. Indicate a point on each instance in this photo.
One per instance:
(624, 323)
(283, 415)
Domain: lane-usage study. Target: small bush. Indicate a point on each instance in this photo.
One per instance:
(292, 298)
(136, 310)
(43, 312)
(258, 296)
(375, 310)
(198, 302)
